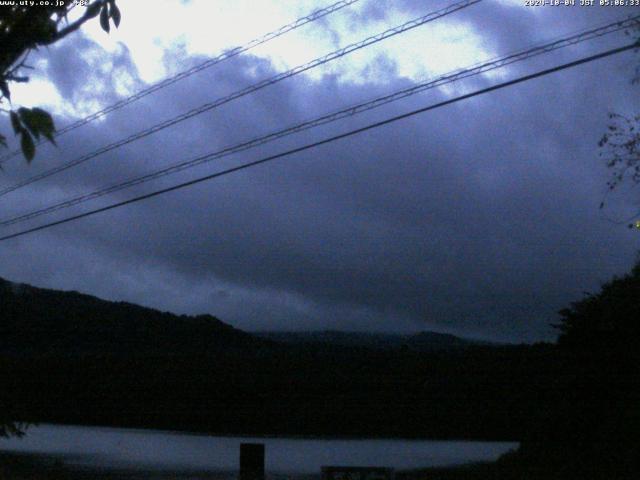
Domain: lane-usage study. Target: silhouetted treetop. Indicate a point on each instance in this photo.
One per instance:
(609, 319)
(25, 27)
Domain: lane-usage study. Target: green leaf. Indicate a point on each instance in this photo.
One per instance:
(28, 147)
(15, 122)
(115, 15)
(28, 121)
(93, 9)
(48, 128)
(104, 18)
(4, 88)
(39, 122)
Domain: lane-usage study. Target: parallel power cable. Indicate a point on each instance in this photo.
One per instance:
(328, 140)
(316, 15)
(253, 88)
(456, 75)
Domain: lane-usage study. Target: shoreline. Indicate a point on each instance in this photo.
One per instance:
(37, 466)
(203, 433)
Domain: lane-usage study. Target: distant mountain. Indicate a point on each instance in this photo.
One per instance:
(36, 321)
(422, 342)
(71, 358)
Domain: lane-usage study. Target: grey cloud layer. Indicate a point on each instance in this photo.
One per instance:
(478, 219)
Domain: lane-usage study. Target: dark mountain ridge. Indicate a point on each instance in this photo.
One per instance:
(425, 341)
(44, 321)
(67, 357)
(36, 321)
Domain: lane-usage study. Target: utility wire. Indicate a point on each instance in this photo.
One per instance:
(316, 15)
(325, 141)
(253, 88)
(456, 75)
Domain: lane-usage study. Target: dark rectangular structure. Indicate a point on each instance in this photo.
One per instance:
(252, 461)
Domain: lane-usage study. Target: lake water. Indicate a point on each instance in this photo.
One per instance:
(153, 450)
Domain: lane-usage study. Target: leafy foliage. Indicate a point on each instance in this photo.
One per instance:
(607, 320)
(620, 144)
(25, 28)
(12, 429)
(623, 143)
(30, 123)
(621, 147)
(599, 413)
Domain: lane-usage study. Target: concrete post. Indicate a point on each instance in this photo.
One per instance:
(252, 461)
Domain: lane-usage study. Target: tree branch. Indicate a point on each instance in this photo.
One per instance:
(92, 11)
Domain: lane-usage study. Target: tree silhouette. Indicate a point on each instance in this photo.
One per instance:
(25, 28)
(606, 321)
(620, 144)
(598, 422)
(587, 423)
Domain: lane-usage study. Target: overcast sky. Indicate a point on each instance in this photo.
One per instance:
(478, 219)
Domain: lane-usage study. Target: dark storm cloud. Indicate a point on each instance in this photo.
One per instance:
(480, 218)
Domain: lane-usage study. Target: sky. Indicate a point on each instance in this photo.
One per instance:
(478, 219)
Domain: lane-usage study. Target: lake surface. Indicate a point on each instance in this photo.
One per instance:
(153, 450)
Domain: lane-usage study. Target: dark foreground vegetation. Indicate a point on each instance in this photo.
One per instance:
(574, 405)
(72, 358)
(25, 466)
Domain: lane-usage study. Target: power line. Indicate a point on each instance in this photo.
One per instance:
(334, 138)
(456, 75)
(253, 88)
(316, 15)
